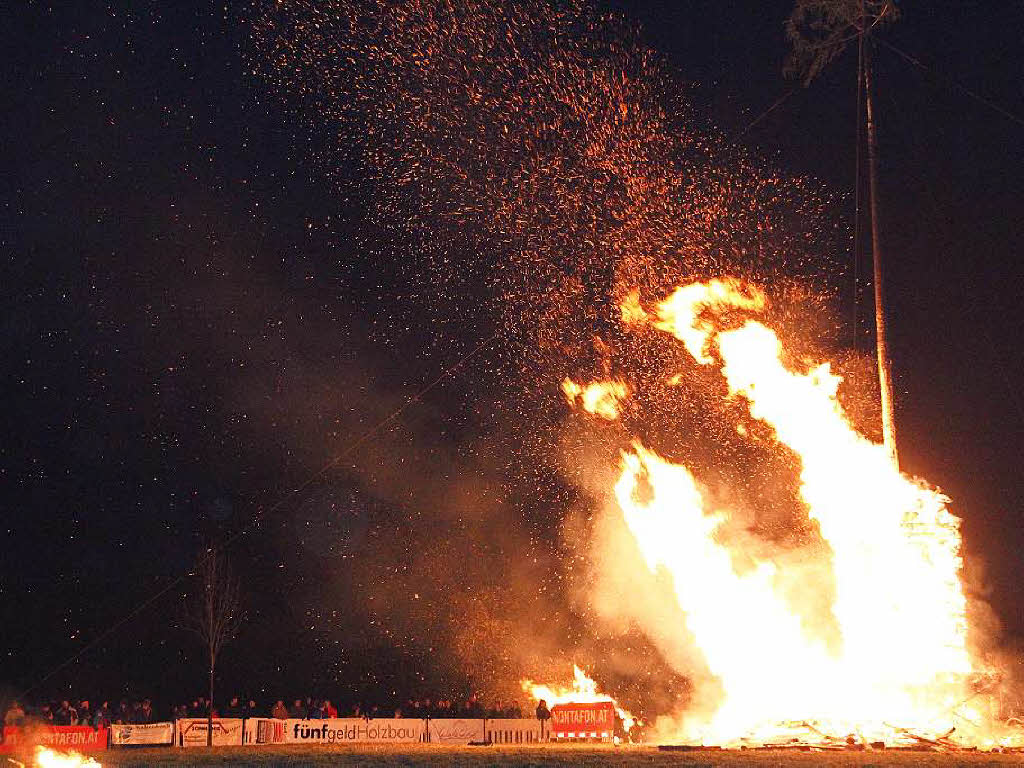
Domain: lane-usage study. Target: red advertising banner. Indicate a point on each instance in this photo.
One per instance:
(80, 738)
(583, 721)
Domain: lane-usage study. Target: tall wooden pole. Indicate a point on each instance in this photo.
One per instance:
(881, 336)
(210, 586)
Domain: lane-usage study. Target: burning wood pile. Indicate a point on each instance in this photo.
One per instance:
(863, 625)
(810, 736)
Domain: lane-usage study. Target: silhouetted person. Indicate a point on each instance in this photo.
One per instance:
(543, 714)
(636, 732)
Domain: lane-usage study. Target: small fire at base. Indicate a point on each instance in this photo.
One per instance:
(583, 690)
(52, 758)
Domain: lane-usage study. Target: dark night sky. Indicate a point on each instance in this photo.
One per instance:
(188, 327)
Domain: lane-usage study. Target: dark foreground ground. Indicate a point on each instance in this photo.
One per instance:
(556, 755)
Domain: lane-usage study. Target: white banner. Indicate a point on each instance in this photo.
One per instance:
(513, 731)
(227, 732)
(142, 733)
(456, 731)
(353, 729)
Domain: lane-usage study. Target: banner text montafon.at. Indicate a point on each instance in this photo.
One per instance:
(81, 738)
(583, 721)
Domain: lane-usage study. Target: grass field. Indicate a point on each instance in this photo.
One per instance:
(555, 755)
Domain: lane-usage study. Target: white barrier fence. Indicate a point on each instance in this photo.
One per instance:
(192, 732)
(514, 731)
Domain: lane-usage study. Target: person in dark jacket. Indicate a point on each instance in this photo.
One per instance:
(101, 717)
(84, 713)
(234, 709)
(298, 711)
(65, 715)
(543, 713)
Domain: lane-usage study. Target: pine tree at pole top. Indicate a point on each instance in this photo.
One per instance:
(820, 30)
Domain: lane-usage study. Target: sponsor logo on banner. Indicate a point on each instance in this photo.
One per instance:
(227, 732)
(583, 721)
(502, 730)
(81, 738)
(141, 733)
(352, 729)
(456, 731)
(264, 730)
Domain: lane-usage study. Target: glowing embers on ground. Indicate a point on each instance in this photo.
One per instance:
(876, 640)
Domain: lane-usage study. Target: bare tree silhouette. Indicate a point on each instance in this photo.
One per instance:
(213, 612)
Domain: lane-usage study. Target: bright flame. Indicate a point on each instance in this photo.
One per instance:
(583, 691)
(601, 398)
(684, 312)
(51, 758)
(889, 652)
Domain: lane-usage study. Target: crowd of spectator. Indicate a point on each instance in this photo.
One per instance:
(84, 713)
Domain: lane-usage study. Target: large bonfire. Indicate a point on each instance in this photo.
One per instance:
(874, 650)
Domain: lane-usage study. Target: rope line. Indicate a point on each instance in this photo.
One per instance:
(778, 102)
(953, 83)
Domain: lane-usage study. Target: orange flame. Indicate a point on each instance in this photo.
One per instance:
(601, 398)
(51, 758)
(893, 552)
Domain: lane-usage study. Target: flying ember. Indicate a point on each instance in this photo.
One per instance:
(871, 644)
